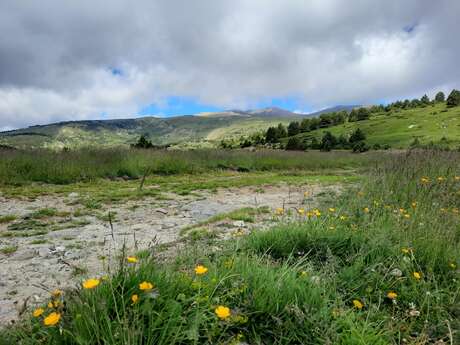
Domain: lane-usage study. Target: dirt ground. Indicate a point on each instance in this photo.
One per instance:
(61, 258)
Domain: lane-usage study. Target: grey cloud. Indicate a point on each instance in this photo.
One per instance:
(55, 56)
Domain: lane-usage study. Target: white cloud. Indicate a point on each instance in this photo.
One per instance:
(55, 57)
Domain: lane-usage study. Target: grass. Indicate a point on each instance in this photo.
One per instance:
(22, 167)
(319, 279)
(8, 250)
(7, 218)
(399, 129)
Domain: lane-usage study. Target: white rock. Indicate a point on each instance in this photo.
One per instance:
(239, 224)
(396, 272)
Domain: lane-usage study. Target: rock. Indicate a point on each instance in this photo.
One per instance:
(25, 255)
(73, 195)
(161, 210)
(396, 272)
(239, 224)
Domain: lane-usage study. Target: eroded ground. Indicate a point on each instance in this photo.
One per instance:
(53, 241)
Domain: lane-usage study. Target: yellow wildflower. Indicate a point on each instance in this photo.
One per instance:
(316, 212)
(358, 304)
(332, 209)
(91, 283)
(306, 194)
(343, 218)
(222, 312)
(301, 211)
(417, 275)
(303, 273)
(392, 295)
(50, 305)
(414, 204)
(38, 312)
(56, 293)
(440, 178)
(453, 265)
(366, 209)
(407, 215)
(200, 270)
(145, 286)
(52, 319)
(425, 180)
(134, 298)
(406, 250)
(131, 259)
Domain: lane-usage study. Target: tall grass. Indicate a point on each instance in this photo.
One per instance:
(299, 282)
(82, 165)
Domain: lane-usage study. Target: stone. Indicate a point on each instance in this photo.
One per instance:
(396, 272)
(25, 255)
(239, 224)
(73, 195)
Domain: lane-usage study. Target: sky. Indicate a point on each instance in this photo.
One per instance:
(72, 60)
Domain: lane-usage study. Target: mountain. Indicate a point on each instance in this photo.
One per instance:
(347, 108)
(204, 129)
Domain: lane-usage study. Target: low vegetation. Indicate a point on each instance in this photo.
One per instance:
(379, 265)
(401, 124)
(19, 167)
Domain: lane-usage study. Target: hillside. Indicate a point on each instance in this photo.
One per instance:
(399, 128)
(201, 130)
(186, 129)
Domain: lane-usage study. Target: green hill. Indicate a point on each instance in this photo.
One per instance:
(187, 131)
(399, 128)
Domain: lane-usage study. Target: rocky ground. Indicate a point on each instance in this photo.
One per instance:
(71, 244)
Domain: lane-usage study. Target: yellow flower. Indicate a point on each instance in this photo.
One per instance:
(316, 212)
(303, 273)
(453, 265)
(406, 250)
(56, 293)
(200, 270)
(332, 209)
(131, 259)
(457, 178)
(301, 211)
(52, 319)
(402, 211)
(305, 194)
(332, 227)
(222, 312)
(279, 211)
(145, 286)
(134, 298)
(417, 275)
(407, 215)
(414, 204)
(343, 218)
(366, 209)
(91, 283)
(50, 305)
(425, 180)
(38, 312)
(440, 179)
(358, 304)
(392, 295)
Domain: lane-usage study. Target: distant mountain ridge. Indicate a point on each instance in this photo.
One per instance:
(204, 127)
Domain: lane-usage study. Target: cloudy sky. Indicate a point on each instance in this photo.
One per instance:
(86, 59)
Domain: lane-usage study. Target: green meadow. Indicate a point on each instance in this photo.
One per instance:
(377, 265)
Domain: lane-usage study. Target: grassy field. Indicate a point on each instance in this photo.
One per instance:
(399, 129)
(377, 266)
(19, 167)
